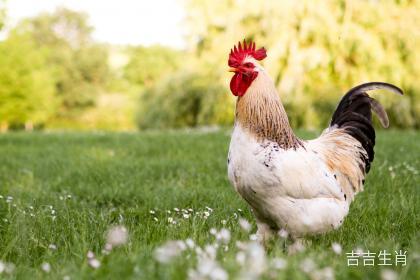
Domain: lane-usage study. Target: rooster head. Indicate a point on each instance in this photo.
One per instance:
(243, 62)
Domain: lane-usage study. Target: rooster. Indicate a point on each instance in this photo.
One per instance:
(302, 186)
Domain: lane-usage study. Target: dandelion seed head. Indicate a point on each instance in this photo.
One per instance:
(307, 265)
(278, 263)
(223, 235)
(90, 255)
(336, 247)
(326, 273)
(190, 243)
(296, 247)
(168, 251)
(283, 233)
(253, 237)
(94, 263)
(245, 225)
(46, 267)
(117, 235)
(389, 274)
(210, 251)
(359, 251)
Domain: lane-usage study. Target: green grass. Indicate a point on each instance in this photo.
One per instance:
(118, 178)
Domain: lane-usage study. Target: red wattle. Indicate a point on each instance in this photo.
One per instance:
(240, 83)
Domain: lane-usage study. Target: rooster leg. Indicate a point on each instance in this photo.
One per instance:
(264, 233)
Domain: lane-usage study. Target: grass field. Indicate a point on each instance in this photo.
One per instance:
(60, 193)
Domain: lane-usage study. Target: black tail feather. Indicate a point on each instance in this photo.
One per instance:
(354, 114)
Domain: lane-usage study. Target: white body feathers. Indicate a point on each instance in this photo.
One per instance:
(294, 189)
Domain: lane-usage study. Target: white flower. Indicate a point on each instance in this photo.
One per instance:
(170, 220)
(152, 212)
(94, 263)
(223, 235)
(190, 243)
(207, 268)
(9, 268)
(168, 211)
(253, 237)
(245, 225)
(253, 260)
(213, 231)
(52, 247)
(107, 248)
(90, 255)
(296, 247)
(169, 251)
(210, 251)
(359, 251)
(206, 214)
(117, 236)
(307, 265)
(156, 219)
(210, 209)
(283, 233)
(278, 263)
(190, 210)
(186, 216)
(46, 267)
(388, 274)
(326, 273)
(176, 209)
(240, 257)
(223, 222)
(336, 247)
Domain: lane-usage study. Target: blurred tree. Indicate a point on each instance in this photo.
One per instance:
(80, 66)
(184, 99)
(148, 65)
(27, 89)
(317, 49)
(2, 13)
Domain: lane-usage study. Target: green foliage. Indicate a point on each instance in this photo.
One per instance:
(95, 180)
(184, 99)
(148, 65)
(79, 65)
(317, 50)
(27, 88)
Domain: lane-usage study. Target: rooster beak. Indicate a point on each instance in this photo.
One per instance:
(231, 69)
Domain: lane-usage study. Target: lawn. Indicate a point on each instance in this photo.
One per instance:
(61, 192)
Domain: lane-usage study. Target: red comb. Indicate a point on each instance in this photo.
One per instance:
(238, 54)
